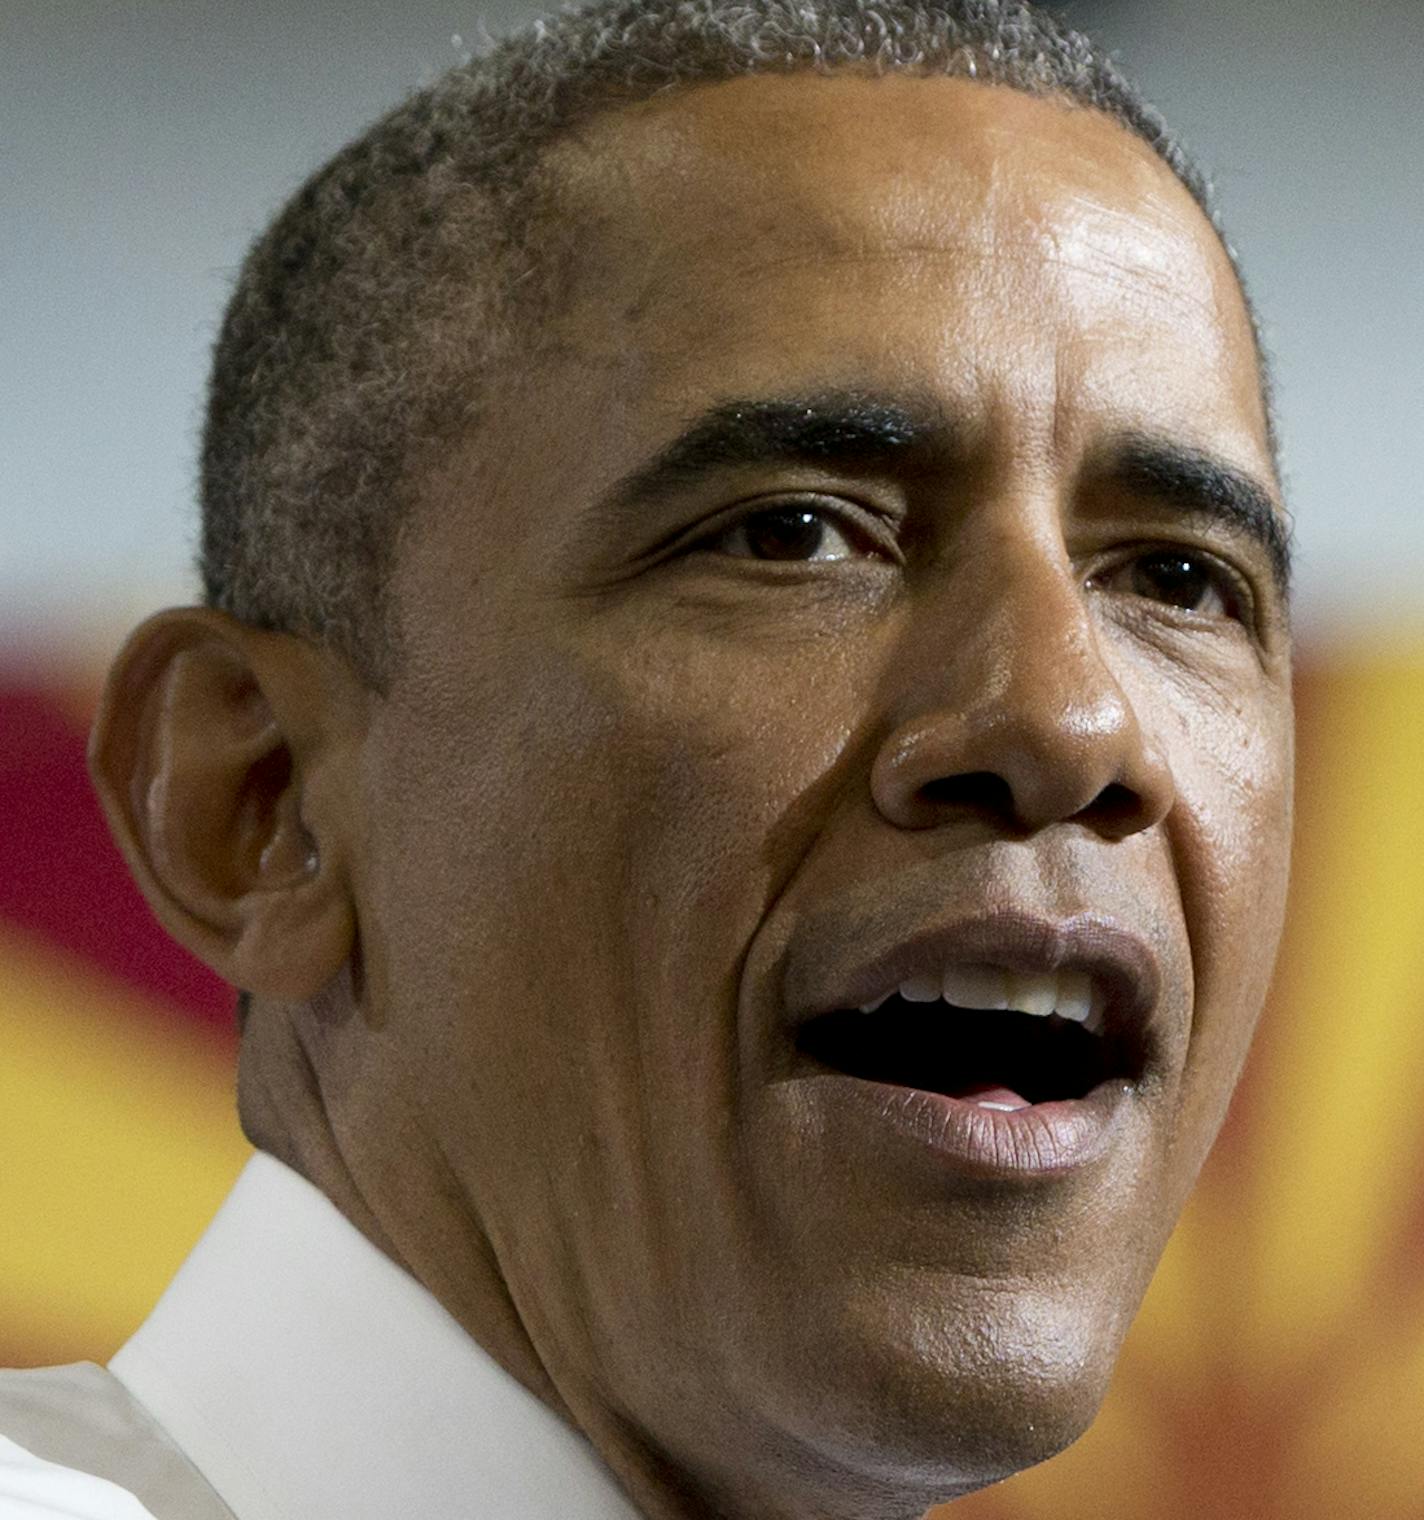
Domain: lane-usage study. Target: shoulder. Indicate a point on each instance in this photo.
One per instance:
(76, 1445)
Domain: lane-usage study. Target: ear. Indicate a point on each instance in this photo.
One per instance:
(222, 756)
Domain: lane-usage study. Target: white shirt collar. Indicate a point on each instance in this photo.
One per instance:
(307, 1376)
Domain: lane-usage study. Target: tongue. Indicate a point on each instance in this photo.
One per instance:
(986, 1095)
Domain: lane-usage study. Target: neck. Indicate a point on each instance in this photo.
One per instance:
(378, 1175)
(399, 1191)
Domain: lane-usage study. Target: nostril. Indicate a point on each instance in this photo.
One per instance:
(1117, 805)
(977, 791)
(1117, 809)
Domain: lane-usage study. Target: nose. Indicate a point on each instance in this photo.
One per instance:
(1009, 709)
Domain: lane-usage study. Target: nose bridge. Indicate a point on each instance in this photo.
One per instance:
(1036, 662)
(1003, 628)
(1012, 699)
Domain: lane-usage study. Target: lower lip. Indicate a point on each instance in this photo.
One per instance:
(1042, 1141)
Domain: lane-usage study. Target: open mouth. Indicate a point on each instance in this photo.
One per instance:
(1002, 1058)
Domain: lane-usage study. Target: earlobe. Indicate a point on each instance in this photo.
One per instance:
(220, 755)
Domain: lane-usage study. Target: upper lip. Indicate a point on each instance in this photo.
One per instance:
(843, 967)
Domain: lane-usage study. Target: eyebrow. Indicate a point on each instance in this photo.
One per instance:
(840, 428)
(1204, 488)
(849, 430)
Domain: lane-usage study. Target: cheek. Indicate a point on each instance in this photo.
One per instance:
(1229, 835)
(574, 856)
(722, 754)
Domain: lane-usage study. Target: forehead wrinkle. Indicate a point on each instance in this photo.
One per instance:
(1124, 248)
(633, 172)
(1095, 242)
(1116, 289)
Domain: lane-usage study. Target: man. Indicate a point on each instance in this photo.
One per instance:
(740, 751)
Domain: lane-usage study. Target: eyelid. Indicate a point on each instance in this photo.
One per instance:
(846, 515)
(1235, 584)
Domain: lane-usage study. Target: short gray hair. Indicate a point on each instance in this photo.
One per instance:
(361, 328)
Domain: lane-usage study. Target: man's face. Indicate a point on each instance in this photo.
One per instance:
(945, 644)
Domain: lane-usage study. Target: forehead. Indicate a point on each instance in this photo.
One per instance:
(749, 217)
(901, 156)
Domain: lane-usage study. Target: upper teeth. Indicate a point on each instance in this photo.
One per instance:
(1070, 994)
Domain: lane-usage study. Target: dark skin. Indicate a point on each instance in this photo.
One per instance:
(517, 927)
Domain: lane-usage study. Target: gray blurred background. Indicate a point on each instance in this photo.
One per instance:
(142, 146)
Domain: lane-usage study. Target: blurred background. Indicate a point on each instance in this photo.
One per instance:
(1277, 1369)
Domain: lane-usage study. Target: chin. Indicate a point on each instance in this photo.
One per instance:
(999, 1434)
(942, 1406)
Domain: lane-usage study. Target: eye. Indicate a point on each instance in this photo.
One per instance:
(796, 531)
(1180, 578)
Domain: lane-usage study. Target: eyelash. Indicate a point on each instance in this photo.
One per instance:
(1230, 586)
(835, 516)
